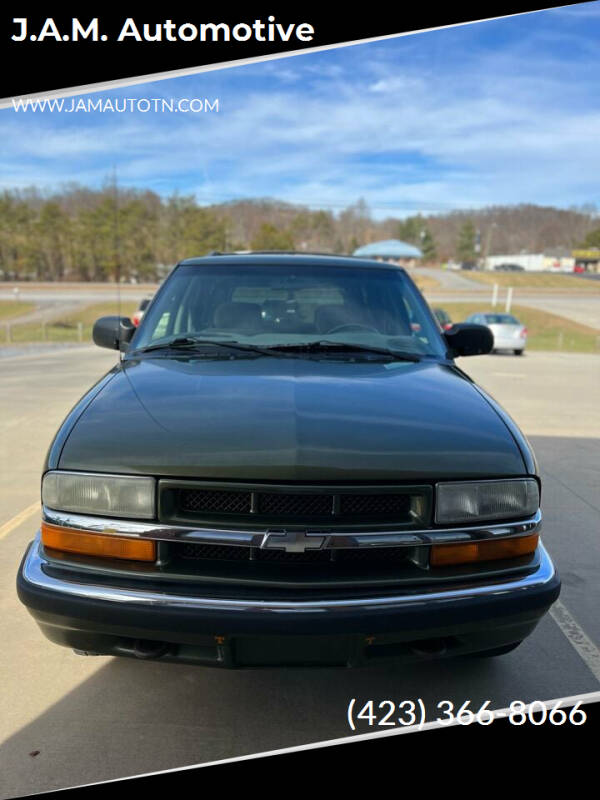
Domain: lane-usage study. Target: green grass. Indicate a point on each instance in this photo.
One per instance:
(424, 282)
(534, 280)
(90, 314)
(545, 331)
(65, 329)
(14, 308)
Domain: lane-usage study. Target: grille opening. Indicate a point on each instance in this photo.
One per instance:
(280, 556)
(215, 501)
(279, 504)
(375, 504)
(210, 552)
(193, 551)
(381, 506)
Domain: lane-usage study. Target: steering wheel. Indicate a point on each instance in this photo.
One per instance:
(353, 326)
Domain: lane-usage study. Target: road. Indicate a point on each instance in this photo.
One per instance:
(585, 310)
(74, 292)
(579, 308)
(448, 278)
(67, 719)
(56, 300)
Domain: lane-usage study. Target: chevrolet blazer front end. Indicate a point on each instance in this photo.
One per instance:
(288, 468)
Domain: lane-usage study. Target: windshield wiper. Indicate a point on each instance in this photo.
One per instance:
(189, 342)
(324, 346)
(279, 350)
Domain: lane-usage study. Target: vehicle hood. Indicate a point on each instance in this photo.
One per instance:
(291, 419)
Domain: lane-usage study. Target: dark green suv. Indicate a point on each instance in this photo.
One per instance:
(286, 466)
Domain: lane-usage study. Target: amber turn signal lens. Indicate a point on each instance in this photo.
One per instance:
(444, 555)
(69, 540)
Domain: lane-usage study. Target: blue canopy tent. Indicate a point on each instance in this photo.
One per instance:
(389, 250)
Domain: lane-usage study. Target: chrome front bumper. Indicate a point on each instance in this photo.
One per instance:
(331, 539)
(93, 615)
(35, 573)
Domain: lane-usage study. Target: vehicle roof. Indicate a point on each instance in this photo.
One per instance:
(492, 314)
(307, 259)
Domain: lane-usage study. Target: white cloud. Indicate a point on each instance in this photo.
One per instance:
(401, 123)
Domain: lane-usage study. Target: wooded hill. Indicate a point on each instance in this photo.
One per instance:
(84, 234)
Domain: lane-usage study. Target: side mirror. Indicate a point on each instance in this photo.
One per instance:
(113, 332)
(465, 339)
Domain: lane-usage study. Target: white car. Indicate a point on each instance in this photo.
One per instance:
(509, 333)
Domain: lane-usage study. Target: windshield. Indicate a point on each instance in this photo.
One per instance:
(501, 319)
(285, 304)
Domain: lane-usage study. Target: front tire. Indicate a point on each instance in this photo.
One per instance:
(518, 352)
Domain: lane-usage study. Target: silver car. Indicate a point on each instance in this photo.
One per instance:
(509, 333)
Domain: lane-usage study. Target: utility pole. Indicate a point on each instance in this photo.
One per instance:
(117, 245)
(422, 235)
(477, 246)
(488, 240)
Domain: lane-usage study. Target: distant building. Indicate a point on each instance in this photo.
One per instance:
(587, 260)
(549, 261)
(391, 250)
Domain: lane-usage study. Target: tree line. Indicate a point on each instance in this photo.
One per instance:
(115, 233)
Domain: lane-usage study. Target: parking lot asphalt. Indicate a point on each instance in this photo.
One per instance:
(67, 719)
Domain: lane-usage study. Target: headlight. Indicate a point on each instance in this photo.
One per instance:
(470, 501)
(87, 493)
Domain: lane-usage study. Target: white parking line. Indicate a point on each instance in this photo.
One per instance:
(53, 352)
(577, 637)
(18, 519)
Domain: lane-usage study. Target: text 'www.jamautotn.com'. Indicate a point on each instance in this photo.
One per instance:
(121, 105)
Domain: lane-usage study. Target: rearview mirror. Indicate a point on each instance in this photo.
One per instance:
(465, 339)
(113, 332)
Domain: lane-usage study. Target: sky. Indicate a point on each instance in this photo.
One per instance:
(499, 112)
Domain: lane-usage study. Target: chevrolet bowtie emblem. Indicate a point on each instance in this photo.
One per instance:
(293, 541)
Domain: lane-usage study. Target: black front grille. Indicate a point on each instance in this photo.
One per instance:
(216, 552)
(297, 506)
(366, 555)
(305, 505)
(308, 557)
(215, 502)
(374, 504)
(210, 552)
